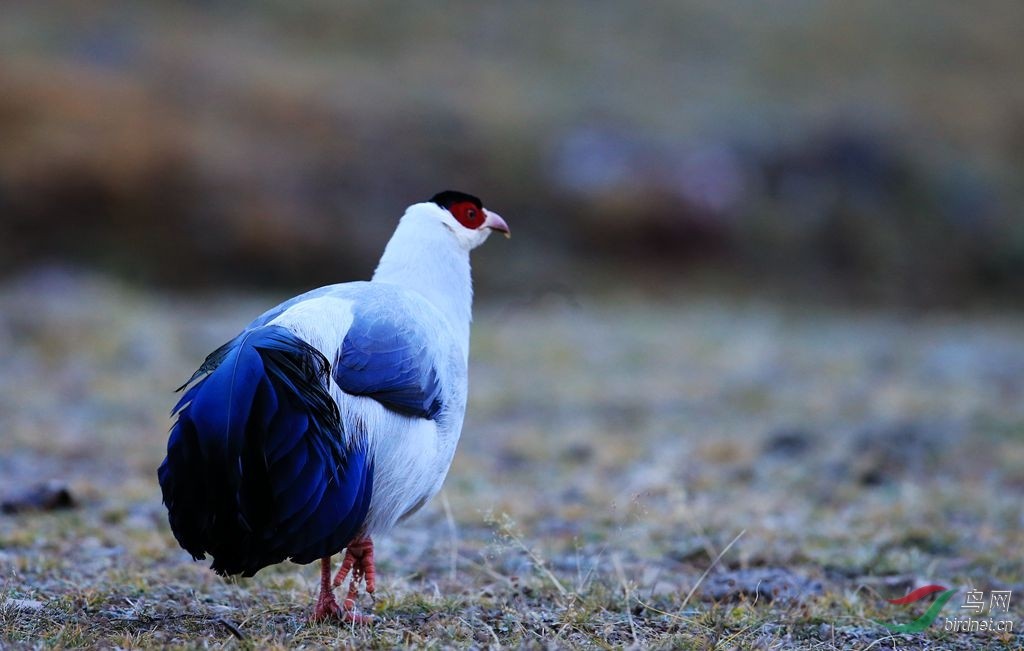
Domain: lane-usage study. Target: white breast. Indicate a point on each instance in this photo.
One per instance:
(411, 457)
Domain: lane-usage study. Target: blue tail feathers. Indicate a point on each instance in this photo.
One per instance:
(258, 469)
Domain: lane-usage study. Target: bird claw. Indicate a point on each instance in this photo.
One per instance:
(326, 608)
(357, 618)
(359, 561)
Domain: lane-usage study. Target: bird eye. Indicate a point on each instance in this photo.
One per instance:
(467, 214)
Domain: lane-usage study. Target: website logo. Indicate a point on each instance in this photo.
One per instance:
(974, 602)
(929, 616)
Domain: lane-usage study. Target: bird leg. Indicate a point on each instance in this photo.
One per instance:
(359, 561)
(326, 606)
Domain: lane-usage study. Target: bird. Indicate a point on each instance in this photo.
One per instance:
(333, 416)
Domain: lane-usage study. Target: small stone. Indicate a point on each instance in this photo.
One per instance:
(788, 442)
(23, 605)
(50, 496)
(772, 584)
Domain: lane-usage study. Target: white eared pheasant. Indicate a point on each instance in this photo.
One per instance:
(334, 415)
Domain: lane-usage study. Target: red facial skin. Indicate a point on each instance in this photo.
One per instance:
(468, 214)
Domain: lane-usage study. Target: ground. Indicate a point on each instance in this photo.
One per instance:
(688, 472)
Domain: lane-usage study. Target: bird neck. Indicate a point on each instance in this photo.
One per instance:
(423, 256)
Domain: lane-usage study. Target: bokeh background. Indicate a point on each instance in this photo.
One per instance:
(860, 150)
(751, 365)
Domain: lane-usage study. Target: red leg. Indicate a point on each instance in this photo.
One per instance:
(358, 561)
(326, 606)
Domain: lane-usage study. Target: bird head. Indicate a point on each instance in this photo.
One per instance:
(465, 216)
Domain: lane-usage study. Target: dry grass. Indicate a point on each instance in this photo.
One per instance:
(613, 454)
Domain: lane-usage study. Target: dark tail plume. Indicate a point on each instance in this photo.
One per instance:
(258, 469)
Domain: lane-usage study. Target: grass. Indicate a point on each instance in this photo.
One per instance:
(695, 473)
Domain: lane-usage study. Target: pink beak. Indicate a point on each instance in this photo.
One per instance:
(496, 223)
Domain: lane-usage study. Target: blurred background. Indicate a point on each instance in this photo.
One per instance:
(765, 288)
(854, 151)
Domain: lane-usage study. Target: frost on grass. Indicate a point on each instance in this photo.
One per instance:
(719, 474)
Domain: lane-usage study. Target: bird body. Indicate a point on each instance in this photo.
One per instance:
(334, 415)
(412, 422)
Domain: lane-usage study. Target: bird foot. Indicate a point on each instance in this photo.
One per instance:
(359, 561)
(327, 606)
